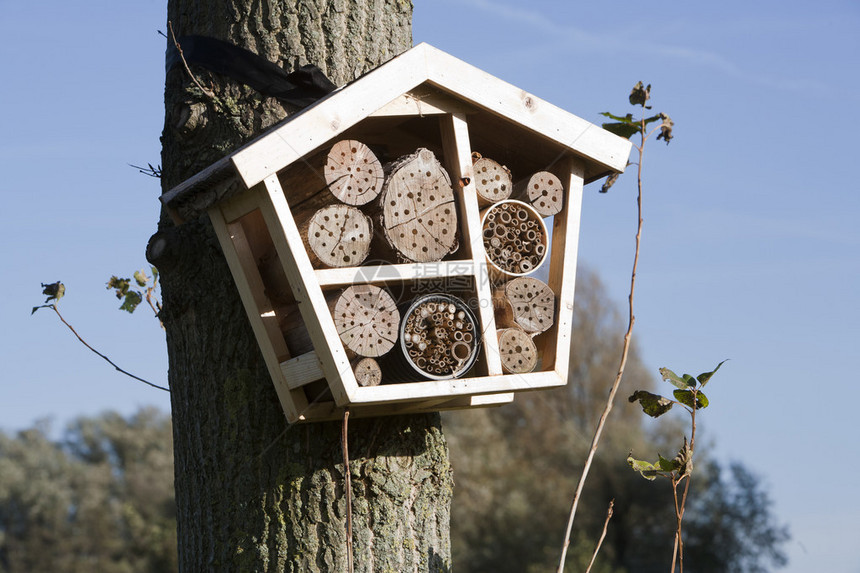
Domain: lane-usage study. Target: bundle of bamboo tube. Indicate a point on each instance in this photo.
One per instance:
(515, 238)
(440, 336)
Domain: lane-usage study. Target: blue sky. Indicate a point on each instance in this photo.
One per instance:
(750, 243)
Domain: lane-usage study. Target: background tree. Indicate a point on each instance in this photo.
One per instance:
(100, 499)
(515, 465)
(251, 493)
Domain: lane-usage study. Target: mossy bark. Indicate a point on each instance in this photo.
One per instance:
(252, 493)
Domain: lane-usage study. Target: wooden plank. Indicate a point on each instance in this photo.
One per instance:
(554, 346)
(250, 286)
(329, 411)
(239, 205)
(512, 103)
(308, 294)
(394, 273)
(301, 370)
(422, 102)
(330, 117)
(458, 158)
(457, 387)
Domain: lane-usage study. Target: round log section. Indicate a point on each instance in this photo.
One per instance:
(419, 219)
(543, 191)
(367, 372)
(518, 351)
(353, 173)
(366, 319)
(439, 337)
(492, 180)
(525, 302)
(515, 239)
(338, 236)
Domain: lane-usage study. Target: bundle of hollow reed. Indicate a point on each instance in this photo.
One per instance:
(515, 237)
(439, 336)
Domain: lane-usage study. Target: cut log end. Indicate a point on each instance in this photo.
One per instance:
(544, 192)
(525, 302)
(339, 236)
(353, 173)
(492, 181)
(419, 218)
(367, 372)
(517, 350)
(366, 318)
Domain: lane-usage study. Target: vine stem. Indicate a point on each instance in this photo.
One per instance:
(602, 535)
(348, 488)
(625, 350)
(102, 356)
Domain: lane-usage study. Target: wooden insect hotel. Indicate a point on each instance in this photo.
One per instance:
(387, 241)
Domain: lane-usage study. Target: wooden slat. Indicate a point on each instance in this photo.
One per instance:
(302, 370)
(456, 387)
(422, 102)
(514, 104)
(329, 118)
(329, 411)
(308, 294)
(394, 273)
(239, 205)
(250, 286)
(554, 346)
(458, 158)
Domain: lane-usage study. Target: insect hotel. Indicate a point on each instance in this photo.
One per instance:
(387, 241)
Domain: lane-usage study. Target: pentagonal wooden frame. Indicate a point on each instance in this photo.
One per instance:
(409, 95)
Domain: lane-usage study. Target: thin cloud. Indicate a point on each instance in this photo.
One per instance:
(573, 37)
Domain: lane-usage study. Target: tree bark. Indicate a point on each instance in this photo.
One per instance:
(252, 493)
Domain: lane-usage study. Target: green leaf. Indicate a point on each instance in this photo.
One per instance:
(640, 94)
(646, 469)
(154, 273)
(624, 130)
(674, 379)
(120, 285)
(667, 465)
(54, 291)
(132, 299)
(623, 119)
(705, 376)
(685, 397)
(141, 278)
(652, 404)
(653, 118)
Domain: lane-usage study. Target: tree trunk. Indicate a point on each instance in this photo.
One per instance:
(252, 493)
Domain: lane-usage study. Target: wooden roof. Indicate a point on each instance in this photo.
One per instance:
(422, 81)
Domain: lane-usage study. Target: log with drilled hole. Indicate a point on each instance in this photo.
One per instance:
(492, 180)
(338, 236)
(419, 220)
(367, 371)
(515, 239)
(543, 191)
(366, 318)
(517, 350)
(353, 173)
(525, 302)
